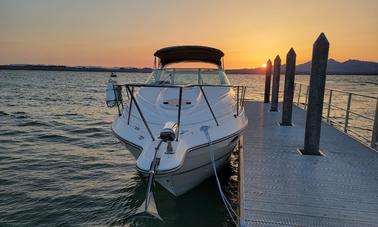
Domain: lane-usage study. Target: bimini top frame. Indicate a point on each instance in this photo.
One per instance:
(177, 54)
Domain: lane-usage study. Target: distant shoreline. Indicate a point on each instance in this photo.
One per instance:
(256, 71)
(72, 69)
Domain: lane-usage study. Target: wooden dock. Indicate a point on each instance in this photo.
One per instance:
(281, 187)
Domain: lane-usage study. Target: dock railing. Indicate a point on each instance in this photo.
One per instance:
(352, 113)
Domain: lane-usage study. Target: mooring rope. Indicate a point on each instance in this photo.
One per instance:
(227, 204)
(230, 210)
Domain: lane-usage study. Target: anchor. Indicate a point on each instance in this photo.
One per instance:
(148, 208)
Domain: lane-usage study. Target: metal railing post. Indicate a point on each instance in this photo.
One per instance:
(130, 105)
(237, 101)
(179, 114)
(141, 114)
(374, 137)
(208, 105)
(245, 89)
(120, 94)
(346, 122)
(305, 103)
(329, 106)
(241, 97)
(115, 89)
(299, 94)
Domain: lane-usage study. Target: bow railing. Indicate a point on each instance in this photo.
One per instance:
(131, 101)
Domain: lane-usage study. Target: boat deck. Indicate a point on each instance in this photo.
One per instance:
(281, 187)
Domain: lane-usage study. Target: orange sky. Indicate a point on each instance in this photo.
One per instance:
(126, 33)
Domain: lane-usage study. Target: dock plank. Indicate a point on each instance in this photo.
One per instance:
(281, 187)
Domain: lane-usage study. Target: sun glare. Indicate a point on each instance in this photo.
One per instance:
(264, 65)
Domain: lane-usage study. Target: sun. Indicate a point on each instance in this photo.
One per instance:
(264, 65)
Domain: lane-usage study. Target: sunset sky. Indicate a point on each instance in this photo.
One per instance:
(126, 33)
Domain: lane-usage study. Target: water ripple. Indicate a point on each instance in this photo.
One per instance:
(61, 166)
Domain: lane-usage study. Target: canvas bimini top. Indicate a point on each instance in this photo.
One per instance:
(177, 54)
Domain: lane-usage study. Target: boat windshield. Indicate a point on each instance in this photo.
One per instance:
(180, 76)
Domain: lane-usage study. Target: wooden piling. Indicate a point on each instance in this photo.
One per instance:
(287, 107)
(268, 74)
(316, 95)
(276, 84)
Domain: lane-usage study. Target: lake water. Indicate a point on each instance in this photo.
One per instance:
(61, 165)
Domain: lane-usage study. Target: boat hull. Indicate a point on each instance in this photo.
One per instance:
(181, 182)
(197, 166)
(203, 130)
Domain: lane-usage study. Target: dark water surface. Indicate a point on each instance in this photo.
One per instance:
(61, 165)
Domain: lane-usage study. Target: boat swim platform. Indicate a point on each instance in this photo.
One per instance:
(281, 187)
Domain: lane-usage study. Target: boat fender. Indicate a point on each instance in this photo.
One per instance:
(111, 94)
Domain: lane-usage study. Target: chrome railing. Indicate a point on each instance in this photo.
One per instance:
(352, 113)
(132, 101)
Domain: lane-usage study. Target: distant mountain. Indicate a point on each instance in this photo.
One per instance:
(347, 67)
(350, 67)
(246, 71)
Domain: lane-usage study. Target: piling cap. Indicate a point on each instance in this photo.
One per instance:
(277, 58)
(269, 62)
(291, 52)
(321, 40)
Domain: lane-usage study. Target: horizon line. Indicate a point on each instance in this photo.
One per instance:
(148, 67)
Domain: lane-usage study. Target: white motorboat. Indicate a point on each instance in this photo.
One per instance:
(180, 118)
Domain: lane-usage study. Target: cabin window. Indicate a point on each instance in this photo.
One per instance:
(188, 77)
